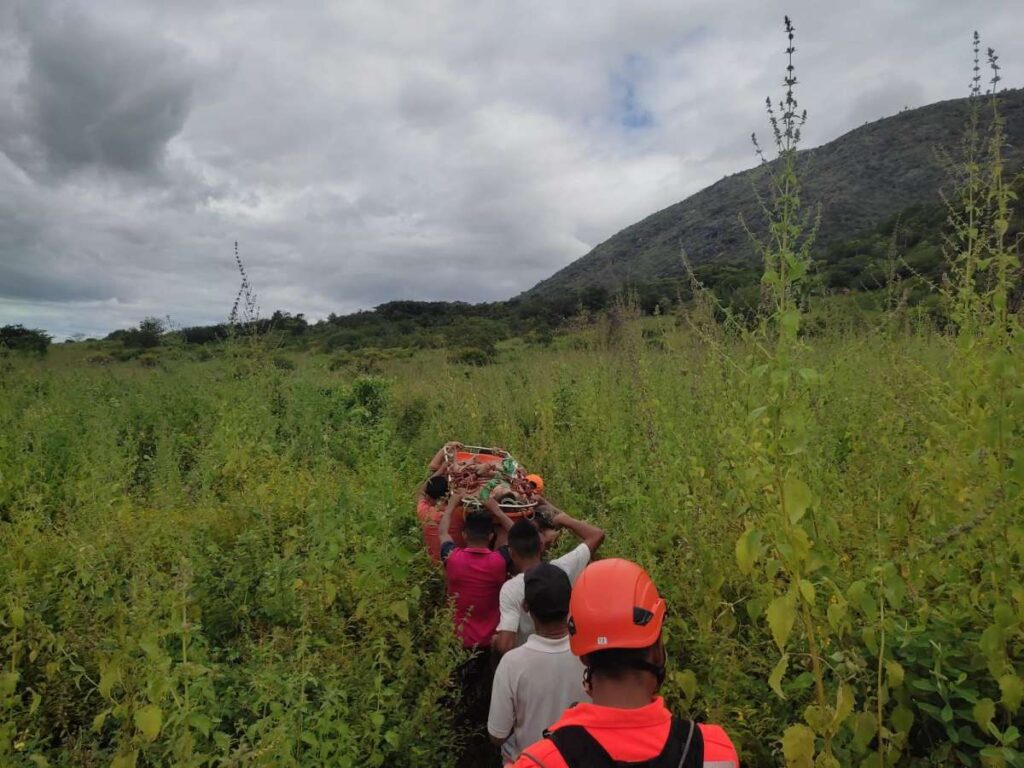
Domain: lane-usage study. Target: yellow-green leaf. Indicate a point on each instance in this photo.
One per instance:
(844, 706)
(818, 717)
(97, 722)
(797, 498)
(746, 552)
(895, 673)
(8, 682)
(781, 614)
(110, 675)
(798, 746)
(127, 760)
(148, 719)
(1012, 690)
(983, 713)
(17, 616)
(807, 590)
(401, 609)
(778, 672)
(687, 681)
(865, 726)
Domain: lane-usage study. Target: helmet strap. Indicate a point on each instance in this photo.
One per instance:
(658, 670)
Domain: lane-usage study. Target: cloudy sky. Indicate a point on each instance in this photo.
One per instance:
(363, 151)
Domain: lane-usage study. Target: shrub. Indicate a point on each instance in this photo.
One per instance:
(147, 335)
(472, 356)
(369, 396)
(340, 361)
(283, 363)
(18, 338)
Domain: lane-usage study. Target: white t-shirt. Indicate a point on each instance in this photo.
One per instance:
(533, 686)
(513, 592)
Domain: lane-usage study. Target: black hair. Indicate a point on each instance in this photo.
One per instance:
(478, 525)
(436, 487)
(524, 539)
(619, 663)
(549, 617)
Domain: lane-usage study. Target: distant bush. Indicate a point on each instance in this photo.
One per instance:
(146, 336)
(18, 338)
(340, 361)
(472, 356)
(579, 343)
(411, 416)
(283, 363)
(369, 397)
(124, 355)
(149, 360)
(204, 334)
(100, 359)
(202, 355)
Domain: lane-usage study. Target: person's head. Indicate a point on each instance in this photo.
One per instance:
(536, 483)
(615, 620)
(478, 528)
(436, 487)
(524, 544)
(546, 596)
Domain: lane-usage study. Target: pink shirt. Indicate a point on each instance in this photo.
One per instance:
(475, 576)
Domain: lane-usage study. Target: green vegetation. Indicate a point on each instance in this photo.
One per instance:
(210, 554)
(219, 561)
(18, 338)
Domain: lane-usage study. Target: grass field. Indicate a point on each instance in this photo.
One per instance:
(218, 562)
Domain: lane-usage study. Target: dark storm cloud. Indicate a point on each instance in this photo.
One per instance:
(366, 151)
(96, 94)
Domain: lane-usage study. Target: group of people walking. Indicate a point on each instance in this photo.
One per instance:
(567, 654)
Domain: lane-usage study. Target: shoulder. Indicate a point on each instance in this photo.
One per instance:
(450, 552)
(717, 744)
(542, 753)
(574, 561)
(512, 587)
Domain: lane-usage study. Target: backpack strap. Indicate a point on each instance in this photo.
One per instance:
(684, 748)
(579, 749)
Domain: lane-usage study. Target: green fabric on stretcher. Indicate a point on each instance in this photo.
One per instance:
(507, 471)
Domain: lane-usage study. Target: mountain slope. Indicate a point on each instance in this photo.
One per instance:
(860, 180)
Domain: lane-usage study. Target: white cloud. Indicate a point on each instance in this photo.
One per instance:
(367, 151)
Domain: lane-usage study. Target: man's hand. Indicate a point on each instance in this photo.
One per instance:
(446, 518)
(492, 506)
(548, 536)
(589, 534)
(503, 642)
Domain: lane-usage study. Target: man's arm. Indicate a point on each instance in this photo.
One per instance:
(492, 506)
(503, 642)
(446, 519)
(501, 718)
(438, 460)
(510, 607)
(589, 534)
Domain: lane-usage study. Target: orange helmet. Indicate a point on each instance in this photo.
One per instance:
(614, 604)
(538, 482)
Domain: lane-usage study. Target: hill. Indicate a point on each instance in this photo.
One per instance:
(861, 180)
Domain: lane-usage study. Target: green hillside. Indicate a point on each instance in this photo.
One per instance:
(861, 180)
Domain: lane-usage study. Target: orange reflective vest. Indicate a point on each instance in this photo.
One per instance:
(591, 736)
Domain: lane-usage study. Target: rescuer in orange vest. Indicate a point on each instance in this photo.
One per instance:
(615, 618)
